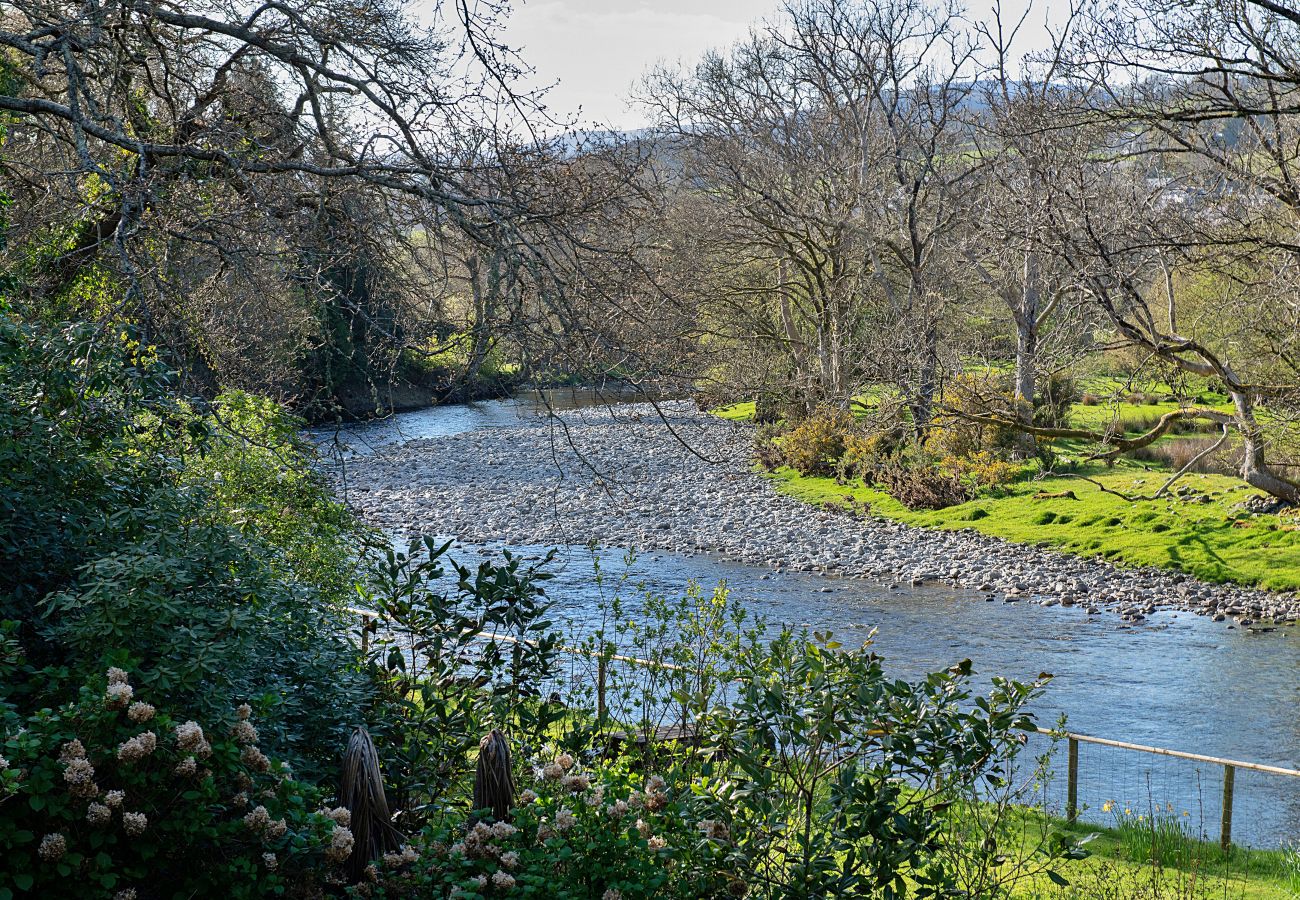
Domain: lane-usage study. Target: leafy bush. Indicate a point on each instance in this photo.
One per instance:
(834, 779)
(123, 543)
(456, 657)
(257, 472)
(814, 445)
(107, 794)
(983, 469)
(599, 832)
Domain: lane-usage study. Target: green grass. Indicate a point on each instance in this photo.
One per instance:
(736, 412)
(1203, 536)
(1120, 866)
(1208, 540)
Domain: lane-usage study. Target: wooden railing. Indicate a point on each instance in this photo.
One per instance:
(1073, 739)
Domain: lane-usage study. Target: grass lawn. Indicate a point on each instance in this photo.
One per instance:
(1202, 534)
(736, 412)
(1207, 539)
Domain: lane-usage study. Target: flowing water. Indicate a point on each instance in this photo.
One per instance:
(1177, 680)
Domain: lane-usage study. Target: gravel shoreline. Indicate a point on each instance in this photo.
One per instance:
(674, 479)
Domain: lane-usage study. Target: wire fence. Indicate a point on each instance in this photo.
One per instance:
(1086, 778)
(1110, 782)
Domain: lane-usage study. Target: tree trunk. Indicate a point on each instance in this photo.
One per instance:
(927, 383)
(1254, 470)
(1026, 383)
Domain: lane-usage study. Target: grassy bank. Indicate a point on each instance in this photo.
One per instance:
(1134, 860)
(1201, 529)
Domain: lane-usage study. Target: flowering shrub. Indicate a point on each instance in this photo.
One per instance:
(976, 394)
(813, 446)
(983, 469)
(864, 453)
(108, 793)
(603, 833)
(198, 543)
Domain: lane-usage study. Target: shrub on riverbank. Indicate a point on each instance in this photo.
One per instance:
(107, 795)
(195, 548)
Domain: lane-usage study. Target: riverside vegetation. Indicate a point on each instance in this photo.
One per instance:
(902, 236)
(174, 699)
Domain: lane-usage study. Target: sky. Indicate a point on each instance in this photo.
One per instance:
(597, 49)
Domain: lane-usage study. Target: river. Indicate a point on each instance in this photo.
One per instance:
(1176, 680)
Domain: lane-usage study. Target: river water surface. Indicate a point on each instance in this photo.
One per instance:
(1177, 680)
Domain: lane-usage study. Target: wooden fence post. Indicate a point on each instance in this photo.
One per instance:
(1072, 782)
(1225, 820)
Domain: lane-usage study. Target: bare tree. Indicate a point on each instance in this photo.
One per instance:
(1188, 252)
(1023, 155)
(263, 185)
(819, 155)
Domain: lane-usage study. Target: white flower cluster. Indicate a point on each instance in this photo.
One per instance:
(575, 783)
(140, 712)
(340, 815)
(186, 768)
(80, 776)
(98, 814)
(190, 739)
(243, 732)
(255, 759)
(478, 843)
(715, 830)
(73, 749)
(260, 821)
(118, 694)
(138, 747)
(134, 823)
(52, 847)
(403, 857)
(655, 798)
(114, 798)
(341, 842)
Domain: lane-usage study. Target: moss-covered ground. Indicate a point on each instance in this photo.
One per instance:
(1200, 528)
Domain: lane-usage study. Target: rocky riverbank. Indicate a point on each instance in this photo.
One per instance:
(677, 480)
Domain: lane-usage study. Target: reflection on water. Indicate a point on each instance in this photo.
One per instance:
(366, 437)
(1177, 680)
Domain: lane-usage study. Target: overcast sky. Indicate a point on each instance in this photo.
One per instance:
(596, 49)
